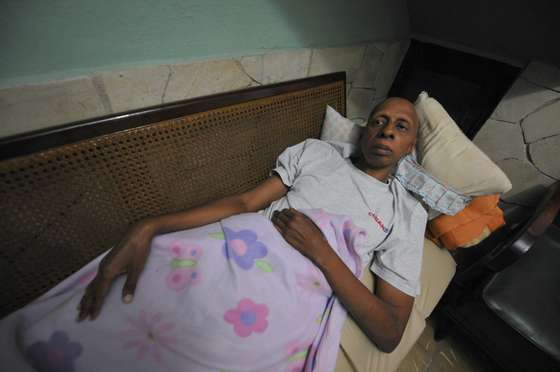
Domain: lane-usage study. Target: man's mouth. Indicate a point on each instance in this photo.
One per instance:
(382, 150)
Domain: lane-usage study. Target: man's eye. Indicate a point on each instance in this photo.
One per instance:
(378, 122)
(402, 127)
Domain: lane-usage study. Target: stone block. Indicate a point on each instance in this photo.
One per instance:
(545, 122)
(327, 60)
(522, 99)
(417, 360)
(366, 74)
(382, 46)
(545, 154)
(360, 102)
(523, 175)
(543, 75)
(205, 78)
(284, 66)
(426, 340)
(390, 64)
(500, 140)
(31, 107)
(135, 88)
(253, 66)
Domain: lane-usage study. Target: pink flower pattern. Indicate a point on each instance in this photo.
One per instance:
(247, 317)
(148, 334)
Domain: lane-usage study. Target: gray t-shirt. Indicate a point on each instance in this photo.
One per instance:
(321, 175)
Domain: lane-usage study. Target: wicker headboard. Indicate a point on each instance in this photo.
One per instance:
(70, 193)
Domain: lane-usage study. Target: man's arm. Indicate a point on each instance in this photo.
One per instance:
(130, 255)
(381, 316)
(251, 201)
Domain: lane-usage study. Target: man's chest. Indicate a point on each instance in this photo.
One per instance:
(369, 206)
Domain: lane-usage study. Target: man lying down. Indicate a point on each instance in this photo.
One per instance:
(218, 288)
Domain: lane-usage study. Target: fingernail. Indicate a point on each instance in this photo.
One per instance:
(127, 299)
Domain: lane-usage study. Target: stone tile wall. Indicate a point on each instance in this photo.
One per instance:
(370, 69)
(523, 134)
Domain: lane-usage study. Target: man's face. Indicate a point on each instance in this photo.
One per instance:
(390, 133)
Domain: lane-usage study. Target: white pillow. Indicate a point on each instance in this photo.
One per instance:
(339, 129)
(445, 152)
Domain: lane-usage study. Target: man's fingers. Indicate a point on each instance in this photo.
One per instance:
(85, 303)
(130, 285)
(98, 298)
(285, 216)
(278, 222)
(287, 220)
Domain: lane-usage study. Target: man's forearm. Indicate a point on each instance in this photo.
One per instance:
(377, 319)
(251, 201)
(196, 216)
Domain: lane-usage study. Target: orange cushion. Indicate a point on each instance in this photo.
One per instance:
(470, 226)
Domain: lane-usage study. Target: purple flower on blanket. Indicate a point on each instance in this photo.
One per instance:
(56, 355)
(313, 281)
(184, 265)
(247, 317)
(243, 247)
(148, 334)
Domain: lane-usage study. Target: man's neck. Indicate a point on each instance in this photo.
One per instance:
(382, 174)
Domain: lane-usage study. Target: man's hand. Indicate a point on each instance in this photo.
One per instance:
(300, 231)
(128, 257)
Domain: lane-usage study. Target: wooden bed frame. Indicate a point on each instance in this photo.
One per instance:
(69, 193)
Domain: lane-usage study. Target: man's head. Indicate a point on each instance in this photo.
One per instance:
(390, 133)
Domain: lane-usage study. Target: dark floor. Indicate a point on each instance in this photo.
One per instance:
(454, 353)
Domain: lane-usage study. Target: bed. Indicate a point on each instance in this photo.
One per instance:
(69, 192)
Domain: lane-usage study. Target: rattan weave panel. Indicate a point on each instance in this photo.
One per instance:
(62, 207)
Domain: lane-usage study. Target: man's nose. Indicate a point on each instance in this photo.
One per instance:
(387, 131)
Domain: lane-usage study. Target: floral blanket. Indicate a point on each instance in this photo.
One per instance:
(230, 296)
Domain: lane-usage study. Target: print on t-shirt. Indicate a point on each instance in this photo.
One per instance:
(379, 222)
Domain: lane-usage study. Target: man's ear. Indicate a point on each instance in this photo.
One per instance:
(411, 147)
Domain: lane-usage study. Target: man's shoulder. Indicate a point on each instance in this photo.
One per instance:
(409, 204)
(319, 149)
